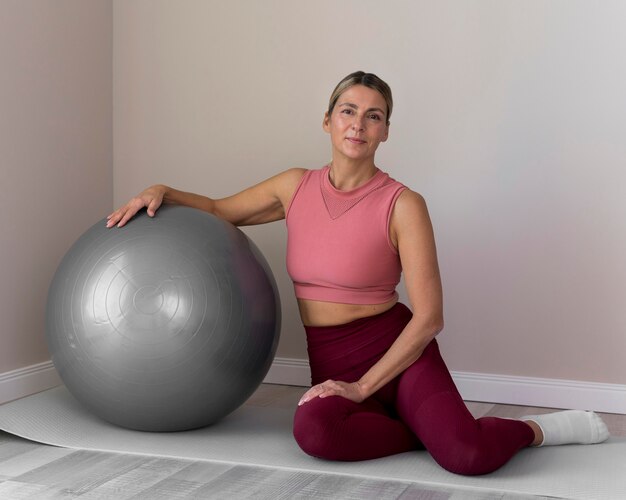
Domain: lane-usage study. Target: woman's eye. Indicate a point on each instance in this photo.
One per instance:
(375, 117)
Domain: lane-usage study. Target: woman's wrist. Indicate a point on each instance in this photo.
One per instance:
(363, 389)
(166, 192)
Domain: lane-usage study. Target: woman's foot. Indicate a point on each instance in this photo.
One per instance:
(567, 427)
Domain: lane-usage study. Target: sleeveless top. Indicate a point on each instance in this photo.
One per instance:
(338, 245)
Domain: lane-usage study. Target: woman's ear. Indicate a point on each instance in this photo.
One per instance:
(326, 122)
(386, 136)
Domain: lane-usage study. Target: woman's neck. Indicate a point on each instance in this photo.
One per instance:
(347, 176)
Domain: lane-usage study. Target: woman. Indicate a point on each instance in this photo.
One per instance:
(380, 386)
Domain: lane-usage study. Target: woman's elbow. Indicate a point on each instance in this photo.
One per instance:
(436, 327)
(431, 326)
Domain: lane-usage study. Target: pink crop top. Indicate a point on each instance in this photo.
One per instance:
(338, 245)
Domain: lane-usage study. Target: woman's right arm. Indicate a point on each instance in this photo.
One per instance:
(264, 202)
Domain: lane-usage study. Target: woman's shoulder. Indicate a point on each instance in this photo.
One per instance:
(291, 177)
(408, 196)
(294, 172)
(409, 207)
(299, 172)
(410, 217)
(286, 183)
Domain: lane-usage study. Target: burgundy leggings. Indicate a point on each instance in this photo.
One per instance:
(421, 408)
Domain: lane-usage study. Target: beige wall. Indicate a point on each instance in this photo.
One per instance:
(510, 119)
(56, 153)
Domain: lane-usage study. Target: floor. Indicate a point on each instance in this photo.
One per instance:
(33, 471)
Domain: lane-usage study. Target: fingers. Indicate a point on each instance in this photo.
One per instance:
(152, 198)
(113, 219)
(348, 390)
(313, 392)
(153, 206)
(328, 388)
(122, 215)
(126, 217)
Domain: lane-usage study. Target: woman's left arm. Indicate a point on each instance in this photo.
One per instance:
(411, 231)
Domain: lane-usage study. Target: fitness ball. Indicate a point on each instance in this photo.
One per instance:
(166, 324)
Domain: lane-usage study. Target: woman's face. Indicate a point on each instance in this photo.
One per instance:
(358, 123)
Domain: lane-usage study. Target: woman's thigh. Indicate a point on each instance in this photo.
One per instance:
(336, 428)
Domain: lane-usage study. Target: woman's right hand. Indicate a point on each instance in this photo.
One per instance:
(152, 198)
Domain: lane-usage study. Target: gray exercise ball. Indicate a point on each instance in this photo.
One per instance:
(166, 324)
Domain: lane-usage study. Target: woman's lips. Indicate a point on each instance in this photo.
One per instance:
(354, 140)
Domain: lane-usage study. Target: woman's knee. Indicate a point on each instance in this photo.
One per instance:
(481, 448)
(317, 426)
(468, 457)
(463, 461)
(310, 427)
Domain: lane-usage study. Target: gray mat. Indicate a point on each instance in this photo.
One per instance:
(262, 437)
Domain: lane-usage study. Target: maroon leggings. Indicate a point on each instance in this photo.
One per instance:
(421, 408)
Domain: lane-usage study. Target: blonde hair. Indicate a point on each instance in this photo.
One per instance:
(366, 79)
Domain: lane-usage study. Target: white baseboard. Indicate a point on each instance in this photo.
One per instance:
(542, 392)
(289, 371)
(490, 388)
(28, 380)
(504, 389)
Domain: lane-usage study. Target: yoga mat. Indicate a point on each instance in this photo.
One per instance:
(262, 437)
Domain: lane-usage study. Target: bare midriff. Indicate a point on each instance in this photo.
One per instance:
(318, 313)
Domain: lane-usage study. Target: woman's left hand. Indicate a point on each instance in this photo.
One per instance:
(351, 391)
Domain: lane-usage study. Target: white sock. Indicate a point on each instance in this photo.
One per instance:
(570, 427)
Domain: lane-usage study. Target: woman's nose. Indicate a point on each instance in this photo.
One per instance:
(358, 123)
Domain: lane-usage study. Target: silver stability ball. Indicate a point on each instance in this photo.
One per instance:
(166, 324)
